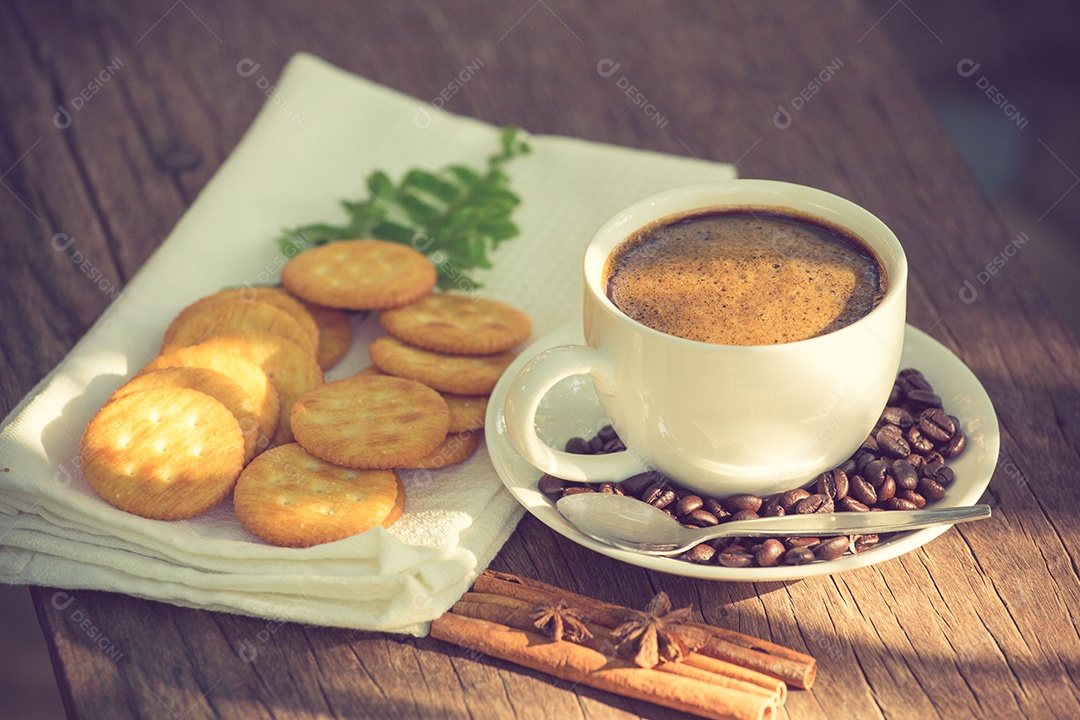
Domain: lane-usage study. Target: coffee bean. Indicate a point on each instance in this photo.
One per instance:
(924, 398)
(833, 484)
(905, 475)
(915, 460)
(596, 445)
(701, 554)
(774, 509)
(870, 444)
(862, 543)
(912, 377)
(956, 445)
(653, 492)
(850, 504)
(898, 416)
(734, 558)
(716, 508)
(665, 498)
(769, 552)
(862, 491)
(578, 490)
(815, 503)
(939, 472)
(831, 548)
(896, 503)
(931, 489)
(744, 515)
(896, 395)
(912, 496)
(743, 501)
(611, 489)
(918, 442)
(887, 489)
(550, 485)
(700, 518)
(874, 472)
(801, 541)
(934, 457)
(798, 556)
(688, 504)
(612, 446)
(862, 459)
(892, 443)
(607, 433)
(848, 467)
(578, 446)
(636, 484)
(790, 497)
(936, 425)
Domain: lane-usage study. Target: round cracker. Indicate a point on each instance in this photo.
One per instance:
(359, 275)
(205, 319)
(335, 334)
(226, 391)
(164, 453)
(467, 412)
(399, 504)
(370, 422)
(288, 497)
(457, 447)
(246, 374)
(292, 370)
(459, 374)
(458, 324)
(272, 296)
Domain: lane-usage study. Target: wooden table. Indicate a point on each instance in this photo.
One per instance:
(981, 622)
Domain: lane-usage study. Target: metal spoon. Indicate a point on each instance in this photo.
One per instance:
(630, 524)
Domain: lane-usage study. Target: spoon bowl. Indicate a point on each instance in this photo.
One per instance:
(630, 524)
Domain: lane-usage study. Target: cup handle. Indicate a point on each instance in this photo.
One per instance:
(523, 400)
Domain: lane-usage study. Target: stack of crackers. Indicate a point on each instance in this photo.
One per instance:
(236, 402)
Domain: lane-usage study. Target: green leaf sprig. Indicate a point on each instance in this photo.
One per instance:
(455, 216)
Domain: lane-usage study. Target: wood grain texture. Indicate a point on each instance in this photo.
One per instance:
(981, 622)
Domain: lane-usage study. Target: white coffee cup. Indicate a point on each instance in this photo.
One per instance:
(722, 419)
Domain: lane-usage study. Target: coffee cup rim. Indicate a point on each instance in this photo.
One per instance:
(800, 199)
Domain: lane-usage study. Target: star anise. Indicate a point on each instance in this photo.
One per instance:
(558, 621)
(658, 633)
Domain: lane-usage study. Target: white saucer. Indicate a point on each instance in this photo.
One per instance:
(572, 409)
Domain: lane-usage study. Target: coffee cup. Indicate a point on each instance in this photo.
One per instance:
(722, 419)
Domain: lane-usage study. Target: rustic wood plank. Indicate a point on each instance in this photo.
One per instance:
(981, 621)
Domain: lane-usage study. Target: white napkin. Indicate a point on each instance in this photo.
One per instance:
(320, 134)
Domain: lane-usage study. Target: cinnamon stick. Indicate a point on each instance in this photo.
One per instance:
(776, 661)
(516, 614)
(586, 666)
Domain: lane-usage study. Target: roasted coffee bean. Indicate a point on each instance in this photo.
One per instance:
(815, 503)
(716, 508)
(774, 509)
(578, 490)
(769, 552)
(578, 446)
(891, 441)
(612, 446)
(701, 554)
(744, 515)
(653, 492)
(688, 504)
(870, 444)
(905, 475)
(636, 484)
(936, 425)
(850, 504)
(833, 484)
(665, 498)
(596, 445)
(610, 489)
(934, 457)
(931, 489)
(831, 548)
(862, 543)
(862, 459)
(898, 416)
(798, 556)
(848, 467)
(956, 445)
(940, 473)
(862, 491)
(874, 472)
(886, 490)
(550, 485)
(743, 501)
(790, 497)
(896, 395)
(913, 497)
(801, 541)
(700, 518)
(919, 443)
(734, 558)
(896, 503)
(912, 378)
(915, 460)
(607, 433)
(924, 398)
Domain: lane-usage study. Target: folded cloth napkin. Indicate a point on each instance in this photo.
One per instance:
(321, 132)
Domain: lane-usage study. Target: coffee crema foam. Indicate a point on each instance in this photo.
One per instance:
(744, 277)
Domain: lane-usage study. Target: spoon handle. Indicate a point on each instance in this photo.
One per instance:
(851, 522)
